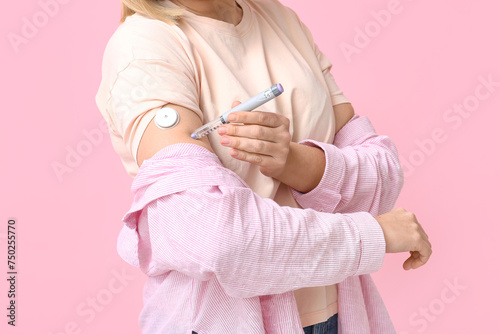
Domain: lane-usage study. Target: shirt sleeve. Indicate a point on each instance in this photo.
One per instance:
(251, 245)
(143, 87)
(362, 172)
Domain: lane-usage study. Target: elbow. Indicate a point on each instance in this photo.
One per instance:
(395, 172)
(398, 171)
(392, 183)
(229, 275)
(401, 178)
(396, 175)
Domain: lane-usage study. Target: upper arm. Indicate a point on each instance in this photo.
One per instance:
(343, 113)
(154, 138)
(148, 65)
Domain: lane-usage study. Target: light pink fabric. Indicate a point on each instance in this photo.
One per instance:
(204, 65)
(362, 172)
(221, 259)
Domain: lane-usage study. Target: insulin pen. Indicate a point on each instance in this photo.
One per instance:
(248, 105)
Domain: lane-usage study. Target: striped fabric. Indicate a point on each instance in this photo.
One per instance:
(362, 172)
(221, 259)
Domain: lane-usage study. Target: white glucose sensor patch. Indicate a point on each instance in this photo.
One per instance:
(166, 118)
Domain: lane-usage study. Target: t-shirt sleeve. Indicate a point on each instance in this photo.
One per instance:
(336, 94)
(159, 70)
(143, 87)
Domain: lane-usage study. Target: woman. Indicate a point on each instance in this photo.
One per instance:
(223, 225)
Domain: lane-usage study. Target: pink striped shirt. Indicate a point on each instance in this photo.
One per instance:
(221, 259)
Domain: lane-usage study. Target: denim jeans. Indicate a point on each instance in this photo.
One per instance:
(328, 327)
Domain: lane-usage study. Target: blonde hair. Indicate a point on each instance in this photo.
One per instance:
(151, 9)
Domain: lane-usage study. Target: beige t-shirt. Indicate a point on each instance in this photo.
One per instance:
(204, 64)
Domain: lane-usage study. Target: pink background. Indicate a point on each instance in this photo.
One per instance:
(406, 76)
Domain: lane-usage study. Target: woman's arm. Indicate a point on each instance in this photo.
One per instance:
(360, 171)
(265, 140)
(363, 174)
(214, 224)
(306, 164)
(154, 138)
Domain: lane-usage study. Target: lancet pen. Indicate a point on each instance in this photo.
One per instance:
(248, 105)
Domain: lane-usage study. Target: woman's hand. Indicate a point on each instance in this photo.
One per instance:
(403, 233)
(263, 139)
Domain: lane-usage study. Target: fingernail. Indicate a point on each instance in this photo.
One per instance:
(225, 141)
(222, 130)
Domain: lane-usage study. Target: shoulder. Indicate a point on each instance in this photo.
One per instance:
(275, 9)
(284, 21)
(148, 45)
(279, 15)
(140, 37)
(273, 5)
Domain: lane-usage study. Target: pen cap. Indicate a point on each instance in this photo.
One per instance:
(277, 89)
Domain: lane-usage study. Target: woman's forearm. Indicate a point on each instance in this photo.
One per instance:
(362, 172)
(207, 222)
(304, 167)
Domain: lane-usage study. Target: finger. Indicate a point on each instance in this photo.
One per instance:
(252, 131)
(269, 119)
(235, 103)
(425, 235)
(408, 262)
(424, 255)
(428, 244)
(417, 263)
(256, 159)
(256, 146)
(425, 246)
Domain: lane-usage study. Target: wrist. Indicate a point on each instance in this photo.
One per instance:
(304, 167)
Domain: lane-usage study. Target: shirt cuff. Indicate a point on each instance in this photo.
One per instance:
(326, 195)
(355, 131)
(372, 242)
